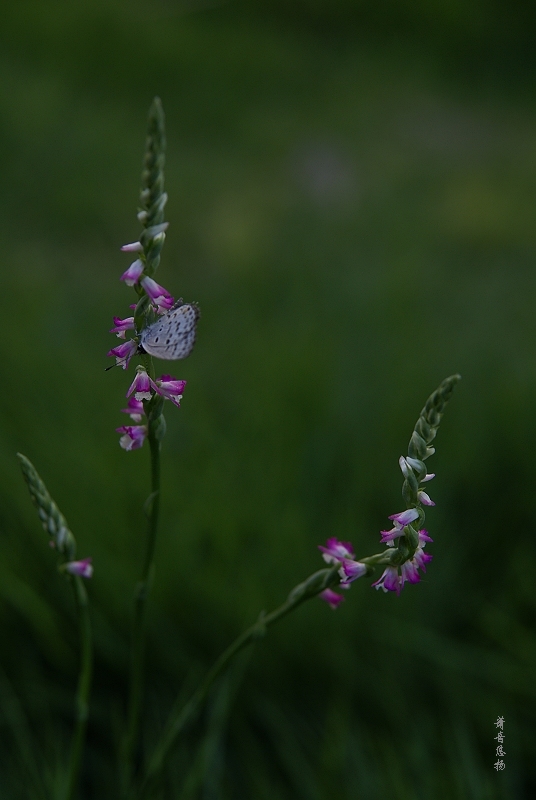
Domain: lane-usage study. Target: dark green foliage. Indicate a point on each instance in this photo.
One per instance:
(353, 209)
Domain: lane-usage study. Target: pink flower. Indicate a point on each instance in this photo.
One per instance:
(123, 353)
(82, 568)
(424, 498)
(135, 409)
(160, 296)
(133, 273)
(351, 570)
(141, 385)
(421, 558)
(170, 388)
(335, 552)
(408, 572)
(389, 580)
(133, 436)
(404, 518)
(122, 325)
(400, 521)
(133, 247)
(331, 598)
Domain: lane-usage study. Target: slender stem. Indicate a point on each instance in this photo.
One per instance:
(84, 685)
(140, 611)
(181, 717)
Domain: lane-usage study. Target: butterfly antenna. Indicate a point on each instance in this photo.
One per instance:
(117, 364)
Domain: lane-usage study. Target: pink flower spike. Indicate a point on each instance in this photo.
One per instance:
(160, 296)
(404, 518)
(123, 353)
(331, 598)
(122, 325)
(141, 385)
(133, 247)
(424, 498)
(133, 273)
(133, 436)
(82, 568)
(135, 409)
(169, 388)
(334, 552)
(389, 580)
(351, 570)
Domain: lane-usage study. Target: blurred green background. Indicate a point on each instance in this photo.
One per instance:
(352, 202)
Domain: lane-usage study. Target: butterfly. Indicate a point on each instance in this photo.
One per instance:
(173, 335)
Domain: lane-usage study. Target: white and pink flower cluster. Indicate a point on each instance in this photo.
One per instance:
(161, 299)
(171, 389)
(143, 386)
(393, 578)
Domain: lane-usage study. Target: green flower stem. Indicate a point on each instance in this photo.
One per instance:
(140, 612)
(84, 685)
(184, 715)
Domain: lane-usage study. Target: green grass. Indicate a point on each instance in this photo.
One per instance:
(356, 221)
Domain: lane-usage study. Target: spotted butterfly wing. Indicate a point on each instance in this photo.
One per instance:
(173, 335)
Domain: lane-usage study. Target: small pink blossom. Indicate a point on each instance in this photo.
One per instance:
(122, 325)
(351, 570)
(170, 388)
(331, 598)
(82, 568)
(135, 409)
(335, 552)
(133, 247)
(424, 498)
(389, 580)
(400, 521)
(404, 518)
(421, 558)
(133, 273)
(123, 353)
(133, 436)
(141, 385)
(424, 537)
(160, 296)
(409, 572)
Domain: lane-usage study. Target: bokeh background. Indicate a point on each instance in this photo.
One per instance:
(352, 203)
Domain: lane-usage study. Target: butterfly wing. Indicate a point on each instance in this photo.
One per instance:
(173, 336)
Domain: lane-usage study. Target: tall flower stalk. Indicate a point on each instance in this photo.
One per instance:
(63, 542)
(147, 396)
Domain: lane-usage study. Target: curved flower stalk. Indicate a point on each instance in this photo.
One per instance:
(402, 559)
(63, 541)
(407, 539)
